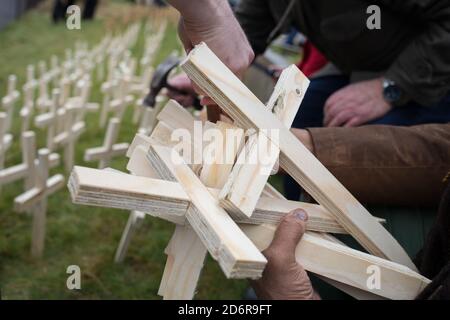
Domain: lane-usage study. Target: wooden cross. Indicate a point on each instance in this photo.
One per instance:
(31, 83)
(43, 101)
(50, 120)
(9, 101)
(66, 83)
(107, 89)
(5, 138)
(81, 99)
(69, 136)
(123, 99)
(99, 53)
(141, 88)
(55, 71)
(152, 45)
(26, 112)
(69, 60)
(35, 200)
(110, 148)
(27, 169)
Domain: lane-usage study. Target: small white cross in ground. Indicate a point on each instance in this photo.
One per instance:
(80, 100)
(68, 138)
(26, 112)
(9, 101)
(107, 89)
(43, 100)
(50, 120)
(109, 149)
(35, 200)
(5, 139)
(123, 99)
(27, 169)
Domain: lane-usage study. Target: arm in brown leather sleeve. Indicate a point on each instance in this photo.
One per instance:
(387, 164)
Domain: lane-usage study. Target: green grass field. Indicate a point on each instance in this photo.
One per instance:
(79, 235)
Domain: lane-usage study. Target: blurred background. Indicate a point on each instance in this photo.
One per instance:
(80, 235)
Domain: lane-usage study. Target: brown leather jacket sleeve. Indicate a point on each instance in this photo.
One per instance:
(386, 164)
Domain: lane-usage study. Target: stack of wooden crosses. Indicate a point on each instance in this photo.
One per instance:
(227, 208)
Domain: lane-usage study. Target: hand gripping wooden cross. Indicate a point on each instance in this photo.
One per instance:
(236, 219)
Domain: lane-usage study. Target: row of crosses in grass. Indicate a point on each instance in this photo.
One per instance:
(58, 102)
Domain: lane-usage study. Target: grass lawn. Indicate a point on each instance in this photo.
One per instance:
(80, 235)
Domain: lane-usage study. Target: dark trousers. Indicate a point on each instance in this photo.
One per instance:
(60, 9)
(310, 115)
(89, 9)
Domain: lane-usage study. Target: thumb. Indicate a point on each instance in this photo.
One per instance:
(289, 232)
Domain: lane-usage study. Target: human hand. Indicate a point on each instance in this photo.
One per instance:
(283, 278)
(213, 22)
(184, 92)
(356, 104)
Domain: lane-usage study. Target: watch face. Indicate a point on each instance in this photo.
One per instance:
(392, 93)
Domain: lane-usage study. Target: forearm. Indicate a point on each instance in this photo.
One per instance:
(385, 164)
(213, 22)
(206, 11)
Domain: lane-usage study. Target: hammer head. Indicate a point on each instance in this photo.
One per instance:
(159, 80)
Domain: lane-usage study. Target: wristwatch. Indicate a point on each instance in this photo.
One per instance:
(392, 93)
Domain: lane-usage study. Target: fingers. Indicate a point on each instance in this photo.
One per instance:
(330, 110)
(332, 102)
(283, 278)
(183, 91)
(207, 101)
(353, 122)
(182, 83)
(339, 113)
(287, 236)
(184, 100)
(340, 118)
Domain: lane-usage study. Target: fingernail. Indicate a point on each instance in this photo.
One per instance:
(300, 214)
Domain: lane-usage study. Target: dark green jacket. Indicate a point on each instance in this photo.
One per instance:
(412, 47)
